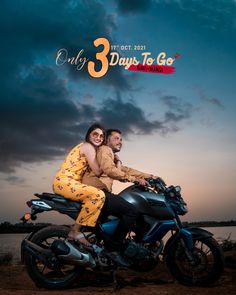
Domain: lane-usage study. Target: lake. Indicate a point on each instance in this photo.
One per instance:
(11, 242)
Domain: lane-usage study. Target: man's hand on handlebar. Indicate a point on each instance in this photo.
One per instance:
(157, 182)
(141, 181)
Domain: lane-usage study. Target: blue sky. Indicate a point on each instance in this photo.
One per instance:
(180, 126)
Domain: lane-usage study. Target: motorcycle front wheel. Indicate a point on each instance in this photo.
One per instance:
(43, 276)
(206, 268)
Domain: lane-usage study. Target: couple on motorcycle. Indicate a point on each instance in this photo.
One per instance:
(87, 176)
(192, 255)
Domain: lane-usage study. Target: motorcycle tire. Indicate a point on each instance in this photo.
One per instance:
(207, 267)
(43, 276)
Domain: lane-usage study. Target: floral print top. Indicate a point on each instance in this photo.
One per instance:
(74, 165)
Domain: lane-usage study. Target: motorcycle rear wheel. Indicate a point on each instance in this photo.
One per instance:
(208, 266)
(43, 276)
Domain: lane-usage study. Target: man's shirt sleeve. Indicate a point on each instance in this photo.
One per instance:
(105, 157)
(136, 173)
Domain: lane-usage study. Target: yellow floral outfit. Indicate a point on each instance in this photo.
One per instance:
(67, 182)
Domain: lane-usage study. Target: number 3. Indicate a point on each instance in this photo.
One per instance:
(102, 56)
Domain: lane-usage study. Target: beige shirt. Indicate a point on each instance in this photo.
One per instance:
(106, 160)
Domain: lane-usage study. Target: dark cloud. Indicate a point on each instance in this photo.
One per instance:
(178, 110)
(34, 117)
(15, 180)
(33, 32)
(133, 6)
(39, 120)
(128, 117)
(43, 121)
(212, 100)
(216, 102)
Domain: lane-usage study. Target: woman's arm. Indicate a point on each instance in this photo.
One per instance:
(90, 153)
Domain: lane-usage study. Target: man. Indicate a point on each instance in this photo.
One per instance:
(112, 166)
(112, 169)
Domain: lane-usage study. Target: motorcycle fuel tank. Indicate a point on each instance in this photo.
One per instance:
(148, 202)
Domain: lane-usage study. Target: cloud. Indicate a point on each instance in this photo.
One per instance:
(215, 101)
(15, 180)
(212, 100)
(38, 118)
(43, 121)
(133, 6)
(218, 15)
(178, 110)
(128, 117)
(34, 118)
(38, 29)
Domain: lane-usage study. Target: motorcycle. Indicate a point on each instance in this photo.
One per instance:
(192, 255)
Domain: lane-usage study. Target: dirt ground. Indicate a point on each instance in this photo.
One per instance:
(15, 280)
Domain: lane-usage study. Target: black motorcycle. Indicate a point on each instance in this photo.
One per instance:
(192, 255)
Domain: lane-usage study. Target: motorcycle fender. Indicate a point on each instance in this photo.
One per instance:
(188, 235)
(199, 232)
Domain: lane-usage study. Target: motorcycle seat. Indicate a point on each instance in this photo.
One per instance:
(49, 196)
(59, 200)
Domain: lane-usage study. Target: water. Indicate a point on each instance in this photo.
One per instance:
(11, 242)
(223, 232)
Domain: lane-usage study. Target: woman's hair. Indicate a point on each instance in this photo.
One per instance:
(93, 127)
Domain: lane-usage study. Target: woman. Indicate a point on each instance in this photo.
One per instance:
(67, 181)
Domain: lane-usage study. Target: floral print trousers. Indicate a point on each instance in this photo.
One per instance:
(92, 199)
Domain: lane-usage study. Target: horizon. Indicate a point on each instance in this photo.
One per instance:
(196, 221)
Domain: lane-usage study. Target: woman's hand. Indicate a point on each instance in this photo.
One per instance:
(118, 164)
(117, 161)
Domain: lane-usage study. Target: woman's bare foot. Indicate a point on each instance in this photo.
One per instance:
(78, 236)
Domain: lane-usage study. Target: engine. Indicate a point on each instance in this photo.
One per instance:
(141, 257)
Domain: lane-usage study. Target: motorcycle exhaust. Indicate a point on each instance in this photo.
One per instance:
(70, 253)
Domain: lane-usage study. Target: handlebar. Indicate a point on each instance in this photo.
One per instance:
(157, 183)
(159, 186)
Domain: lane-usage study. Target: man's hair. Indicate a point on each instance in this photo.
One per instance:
(93, 127)
(109, 132)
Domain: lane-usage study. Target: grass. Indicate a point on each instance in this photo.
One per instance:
(228, 245)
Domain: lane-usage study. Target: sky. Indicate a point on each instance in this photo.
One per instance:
(179, 126)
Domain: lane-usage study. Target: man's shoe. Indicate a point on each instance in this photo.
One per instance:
(116, 258)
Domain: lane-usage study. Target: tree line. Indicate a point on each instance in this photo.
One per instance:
(7, 227)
